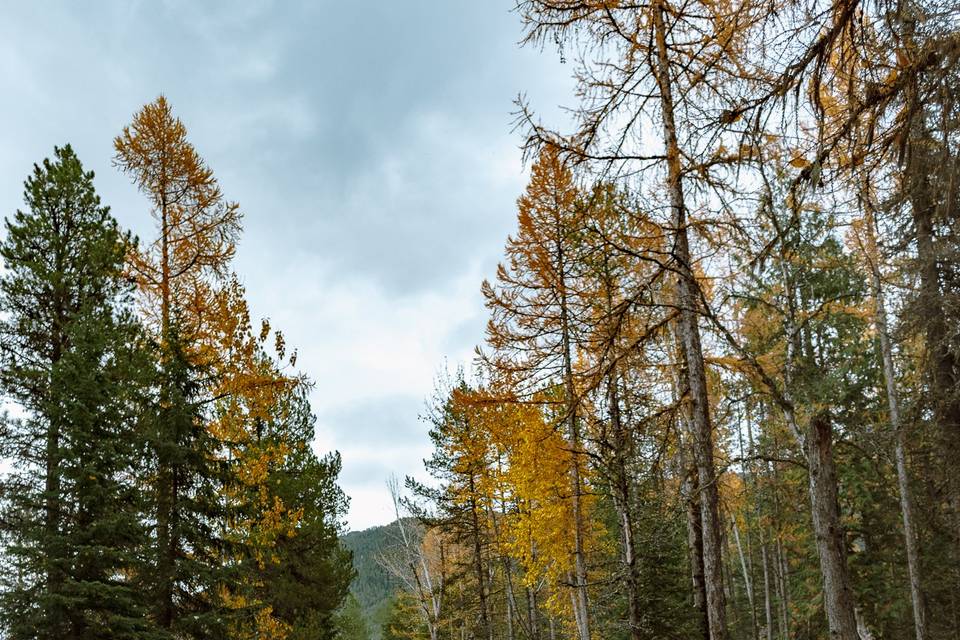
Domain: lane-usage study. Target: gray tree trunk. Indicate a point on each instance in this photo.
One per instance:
(889, 375)
(580, 600)
(688, 331)
(831, 546)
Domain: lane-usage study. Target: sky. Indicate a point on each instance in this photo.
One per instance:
(370, 146)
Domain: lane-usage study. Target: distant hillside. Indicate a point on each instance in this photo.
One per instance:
(373, 587)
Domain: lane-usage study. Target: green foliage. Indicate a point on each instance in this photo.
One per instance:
(184, 569)
(350, 622)
(76, 361)
(403, 620)
(373, 586)
(308, 578)
(116, 515)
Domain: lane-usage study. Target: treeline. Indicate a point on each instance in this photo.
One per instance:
(718, 396)
(161, 478)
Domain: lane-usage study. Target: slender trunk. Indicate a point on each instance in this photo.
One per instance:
(580, 599)
(508, 622)
(889, 374)
(689, 333)
(691, 495)
(486, 628)
(831, 546)
(783, 582)
(632, 573)
(695, 551)
(747, 582)
(764, 554)
(512, 609)
(767, 605)
(575, 604)
(623, 504)
(746, 558)
(533, 620)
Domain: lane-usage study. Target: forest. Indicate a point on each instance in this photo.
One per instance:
(717, 398)
(718, 392)
(161, 480)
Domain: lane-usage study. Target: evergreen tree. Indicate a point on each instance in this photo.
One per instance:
(75, 362)
(184, 572)
(458, 503)
(403, 621)
(350, 622)
(307, 577)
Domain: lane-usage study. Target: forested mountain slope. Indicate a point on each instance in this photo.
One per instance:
(373, 586)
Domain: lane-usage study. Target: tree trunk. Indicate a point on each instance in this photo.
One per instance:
(580, 599)
(767, 607)
(831, 546)
(512, 609)
(508, 622)
(889, 375)
(695, 551)
(623, 504)
(486, 629)
(533, 622)
(689, 334)
(783, 582)
(747, 582)
(941, 362)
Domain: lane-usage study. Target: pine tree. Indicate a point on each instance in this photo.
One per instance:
(307, 577)
(459, 501)
(75, 361)
(350, 622)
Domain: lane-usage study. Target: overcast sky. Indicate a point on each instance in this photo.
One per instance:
(369, 145)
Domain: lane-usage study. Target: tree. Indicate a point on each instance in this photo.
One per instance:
(197, 227)
(350, 622)
(663, 64)
(461, 506)
(306, 578)
(533, 324)
(403, 620)
(76, 362)
(178, 275)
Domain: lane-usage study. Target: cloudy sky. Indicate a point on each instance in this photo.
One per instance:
(369, 145)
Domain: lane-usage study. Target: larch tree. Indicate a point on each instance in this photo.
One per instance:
(532, 330)
(664, 65)
(178, 275)
(197, 227)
